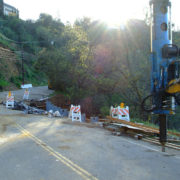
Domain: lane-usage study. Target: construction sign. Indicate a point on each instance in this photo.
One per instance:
(26, 94)
(75, 113)
(120, 112)
(10, 100)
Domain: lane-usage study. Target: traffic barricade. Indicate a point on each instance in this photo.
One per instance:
(10, 100)
(26, 94)
(123, 113)
(120, 112)
(75, 113)
(114, 112)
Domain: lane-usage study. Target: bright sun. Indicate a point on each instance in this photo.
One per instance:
(116, 17)
(113, 12)
(117, 12)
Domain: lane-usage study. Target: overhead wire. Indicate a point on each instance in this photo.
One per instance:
(19, 42)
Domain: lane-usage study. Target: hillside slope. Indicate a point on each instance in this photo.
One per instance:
(9, 65)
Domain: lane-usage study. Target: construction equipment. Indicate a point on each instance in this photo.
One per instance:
(165, 81)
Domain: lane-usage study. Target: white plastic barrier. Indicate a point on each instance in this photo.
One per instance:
(26, 86)
(120, 113)
(10, 100)
(114, 112)
(26, 94)
(75, 113)
(124, 113)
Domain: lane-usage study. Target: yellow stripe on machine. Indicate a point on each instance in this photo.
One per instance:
(173, 87)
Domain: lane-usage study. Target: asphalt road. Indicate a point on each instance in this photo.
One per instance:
(36, 147)
(35, 93)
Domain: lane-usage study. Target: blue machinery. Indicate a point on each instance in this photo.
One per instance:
(165, 81)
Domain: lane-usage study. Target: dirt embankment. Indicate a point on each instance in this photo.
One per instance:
(10, 65)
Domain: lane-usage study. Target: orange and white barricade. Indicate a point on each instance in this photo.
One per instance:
(10, 100)
(123, 113)
(114, 112)
(75, 113)
(26, 94)
(120, 112)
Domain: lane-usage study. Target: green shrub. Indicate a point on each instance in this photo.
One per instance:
(104, 111)
(16, 80)
(3, 84)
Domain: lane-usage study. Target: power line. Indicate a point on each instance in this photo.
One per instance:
(19, 42)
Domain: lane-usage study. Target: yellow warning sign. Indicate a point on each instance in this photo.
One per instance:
(122, 105)
(9, 94)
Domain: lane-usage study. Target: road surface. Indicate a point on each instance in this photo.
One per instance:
(35, 93)
(35, 147)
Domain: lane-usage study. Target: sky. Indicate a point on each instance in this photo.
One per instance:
(113, 12)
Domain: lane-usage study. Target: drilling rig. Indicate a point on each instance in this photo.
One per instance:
(165, 81)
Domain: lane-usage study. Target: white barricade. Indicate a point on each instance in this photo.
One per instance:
(26, 94)
(124, 113)
(26, 86)
(120, 113)
(10, 100)
(75, 113)
(114, 112)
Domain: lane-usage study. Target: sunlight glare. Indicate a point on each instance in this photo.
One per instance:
(113, 12)
(117, 12)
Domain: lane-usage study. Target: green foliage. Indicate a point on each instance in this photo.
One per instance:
(16, 80)
(90, 60)
(104, 111)
(147, 123)
(151, 124)
(3, 82)
(86, 61)
(1, 8)
(14, 30)
(4, 43)
(173, 121)
(33, 76)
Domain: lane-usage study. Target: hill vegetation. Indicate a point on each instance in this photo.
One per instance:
(88, 62)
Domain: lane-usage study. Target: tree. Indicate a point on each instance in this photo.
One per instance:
(1, 8)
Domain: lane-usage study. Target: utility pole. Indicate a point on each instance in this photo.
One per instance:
(20, 43)
(22, 67)
(22, 63)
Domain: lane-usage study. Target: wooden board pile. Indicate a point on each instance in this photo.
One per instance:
(131, 127)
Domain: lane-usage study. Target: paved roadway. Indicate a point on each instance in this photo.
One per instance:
(36, 147)
(35, 93)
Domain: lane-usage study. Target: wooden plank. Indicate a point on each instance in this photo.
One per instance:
(155, 130)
